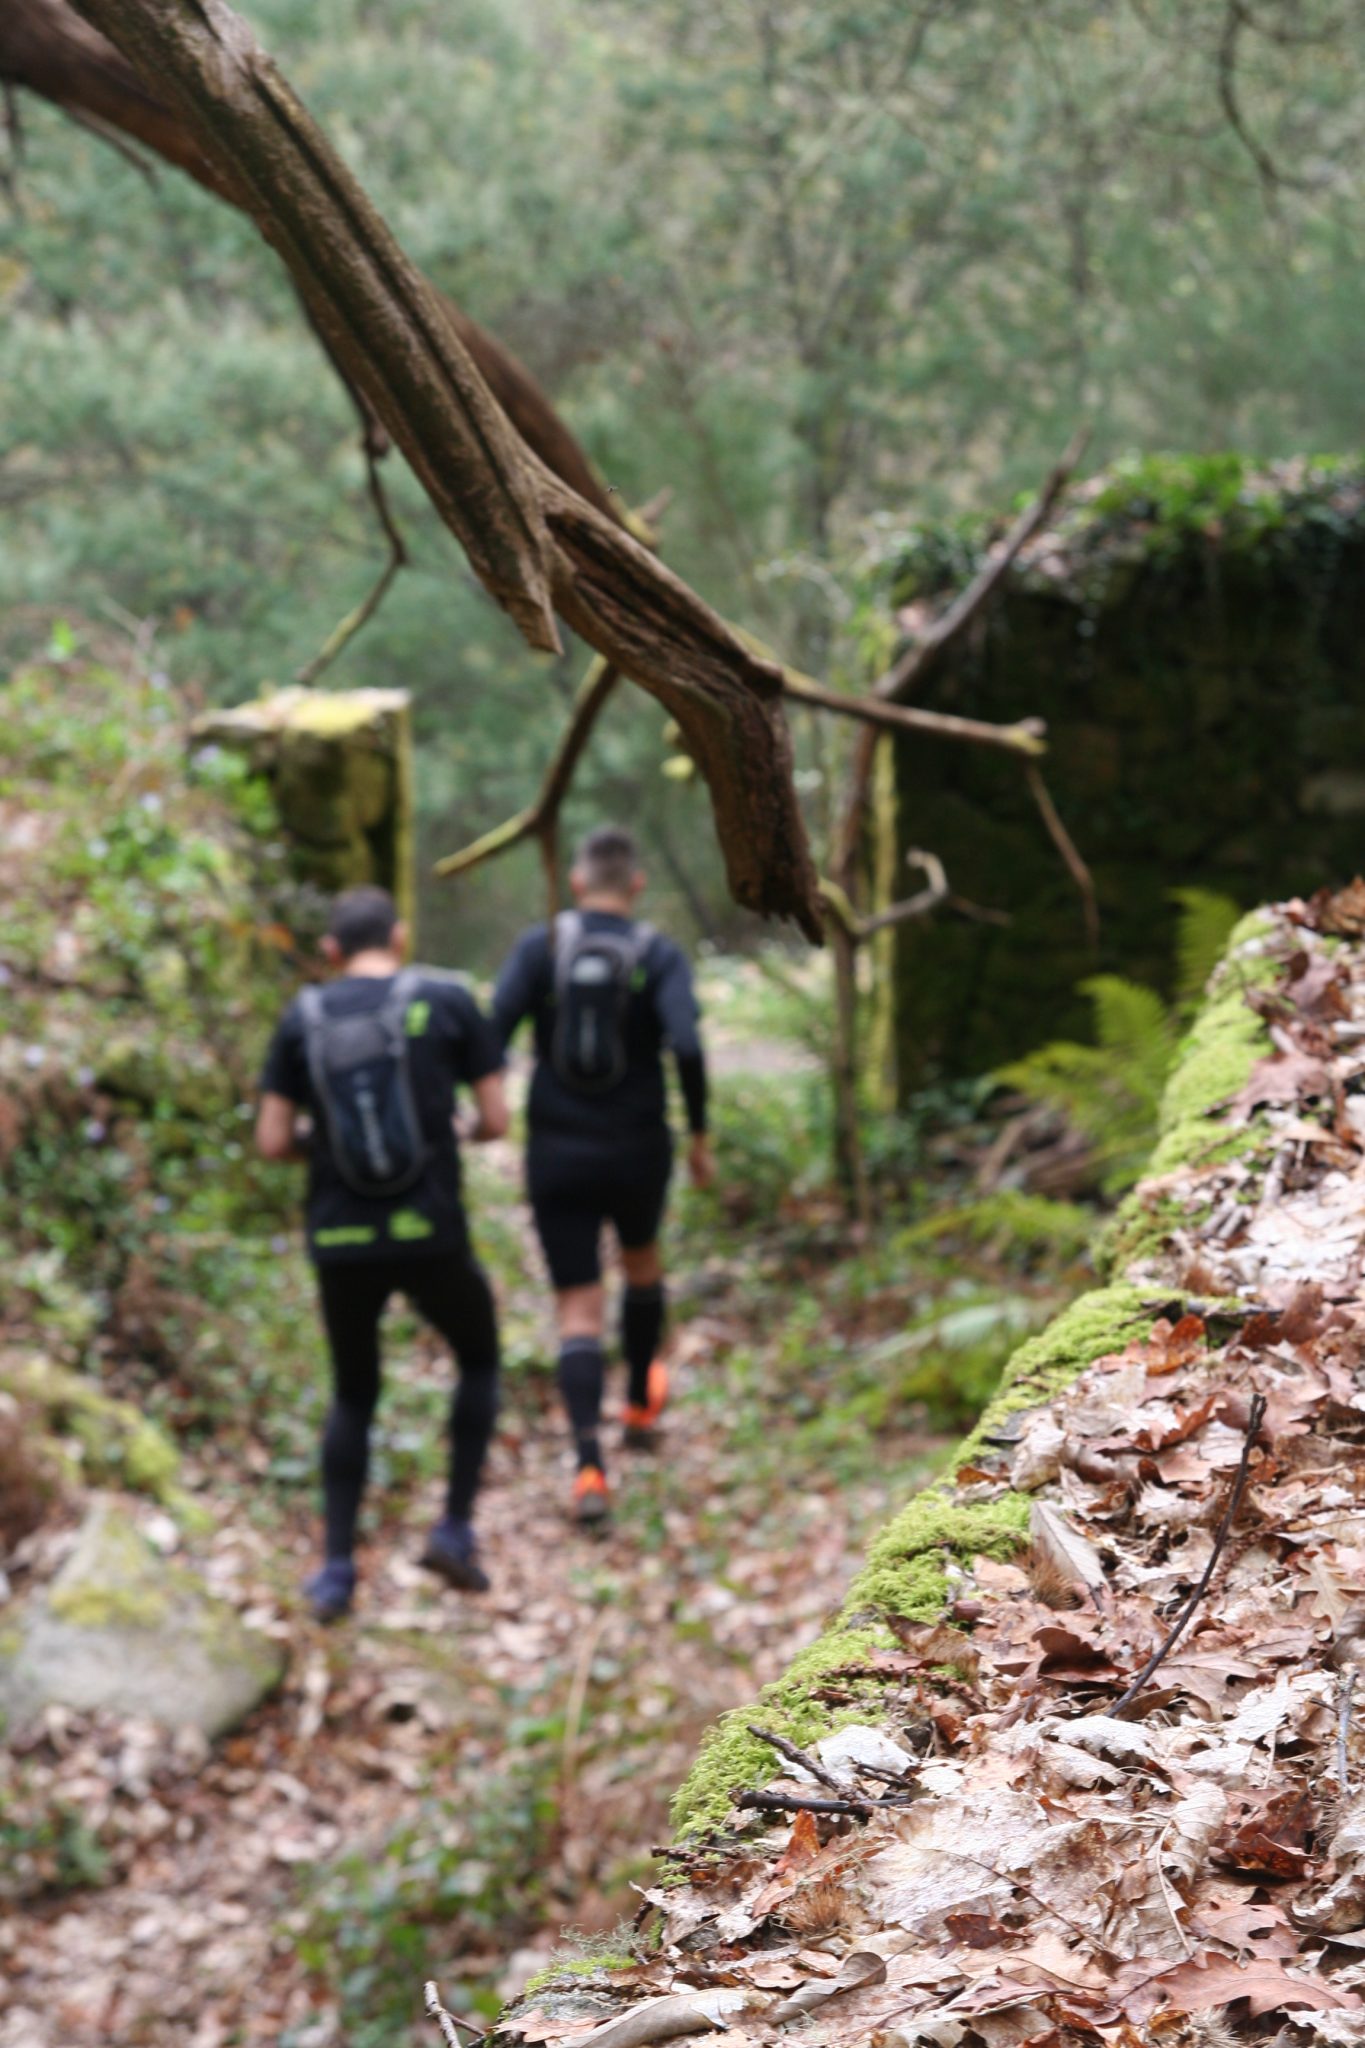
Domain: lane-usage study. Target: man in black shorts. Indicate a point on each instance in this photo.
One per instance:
(606, 995)
(374, 1060)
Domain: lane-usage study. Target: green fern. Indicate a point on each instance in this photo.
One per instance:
(1202, 931)
(1110, 1090)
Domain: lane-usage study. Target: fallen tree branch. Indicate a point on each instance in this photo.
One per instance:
(48, 49)
(538, 546)
(541, 816)
(345, 631)
(1255, 1417)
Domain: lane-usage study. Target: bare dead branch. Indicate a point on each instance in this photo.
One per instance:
(1237, 17)
(798, 1802)
(794, 1755)
(903, 674)
(541, 815)
(1066, 846)
(47, 48)
(860, 929)
(1026, 737)
(915, 663)
(345, 631)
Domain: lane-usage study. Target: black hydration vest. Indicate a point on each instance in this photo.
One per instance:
(595, 973)
(362, 1077)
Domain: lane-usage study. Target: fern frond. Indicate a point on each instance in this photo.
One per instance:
(1112, 1090)
(1202, 930)
(1135, 1031)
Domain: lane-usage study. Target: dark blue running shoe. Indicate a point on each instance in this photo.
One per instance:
(331, 1591)
(453, 1551)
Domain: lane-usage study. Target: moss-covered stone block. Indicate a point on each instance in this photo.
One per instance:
(339, 763)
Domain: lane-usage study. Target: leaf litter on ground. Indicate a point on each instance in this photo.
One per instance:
(1191, 1869)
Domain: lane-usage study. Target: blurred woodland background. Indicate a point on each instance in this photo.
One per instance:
(823, 273)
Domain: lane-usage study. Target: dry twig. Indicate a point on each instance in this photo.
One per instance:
(800, 1802)
(1344, 1698)
(789, 1750)
(1159, 1656)
(450, 2023)
(540, 819)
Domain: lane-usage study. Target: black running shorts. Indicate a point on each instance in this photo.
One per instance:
(577, 1184)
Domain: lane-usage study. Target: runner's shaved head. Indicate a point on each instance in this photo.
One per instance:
(361, 919)
(607, 860)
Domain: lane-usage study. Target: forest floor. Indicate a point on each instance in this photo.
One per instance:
(443, 1784)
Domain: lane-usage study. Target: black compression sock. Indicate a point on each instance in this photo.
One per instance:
(581, 1375)
(345, 1460)
(642, 1326)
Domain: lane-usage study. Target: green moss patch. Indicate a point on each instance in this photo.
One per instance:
(115, 1445)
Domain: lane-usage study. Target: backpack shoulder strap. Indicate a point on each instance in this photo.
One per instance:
(641, 939)
(313, 1017)
(407, 986)
(565, 936)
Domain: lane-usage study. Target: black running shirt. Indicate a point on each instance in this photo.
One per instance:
(663, 1013)
(450, 1042)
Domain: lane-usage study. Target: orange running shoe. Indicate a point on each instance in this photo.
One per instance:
(591, 1496)
(642, 1424)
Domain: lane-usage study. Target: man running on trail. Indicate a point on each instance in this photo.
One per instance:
(606, 995)
(374, 1059)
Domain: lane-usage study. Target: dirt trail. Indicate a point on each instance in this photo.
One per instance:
(578, 1686)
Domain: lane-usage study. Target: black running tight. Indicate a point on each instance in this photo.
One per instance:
(452, 1293)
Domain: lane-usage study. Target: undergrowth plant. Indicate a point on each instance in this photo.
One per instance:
(1111, 1090)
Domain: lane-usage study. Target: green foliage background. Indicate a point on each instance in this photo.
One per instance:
(795, 263)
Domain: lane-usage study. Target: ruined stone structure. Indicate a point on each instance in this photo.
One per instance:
(1194, 634)
(339, 763)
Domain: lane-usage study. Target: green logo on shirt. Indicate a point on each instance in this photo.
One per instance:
(345, 1233)
(407, 1225)
(417, 1018)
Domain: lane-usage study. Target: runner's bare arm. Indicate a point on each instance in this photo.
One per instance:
(277, 1134)
(490, 1103)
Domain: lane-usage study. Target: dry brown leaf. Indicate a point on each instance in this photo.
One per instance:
(1266, 1984)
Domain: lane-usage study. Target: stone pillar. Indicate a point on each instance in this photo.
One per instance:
(340, 765)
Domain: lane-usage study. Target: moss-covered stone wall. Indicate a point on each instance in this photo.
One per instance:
(1194, 634)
